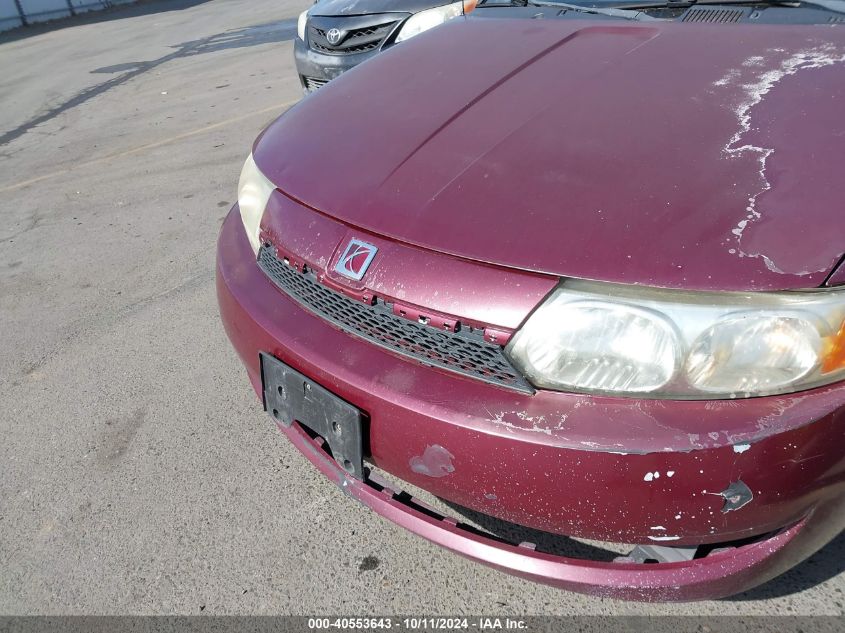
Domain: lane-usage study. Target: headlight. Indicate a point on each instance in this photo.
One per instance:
(253, 193)
(430, 18)
(300, 24)
(618, 340)
(750, 353)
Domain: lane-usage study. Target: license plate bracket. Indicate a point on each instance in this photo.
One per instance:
(290, 396)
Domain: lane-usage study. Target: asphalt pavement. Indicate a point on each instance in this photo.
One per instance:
(138, 473)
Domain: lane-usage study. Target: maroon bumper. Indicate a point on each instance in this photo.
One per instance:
(619, 470)
(717, 575)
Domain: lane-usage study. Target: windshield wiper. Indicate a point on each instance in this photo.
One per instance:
(625, 14)
(836, 6)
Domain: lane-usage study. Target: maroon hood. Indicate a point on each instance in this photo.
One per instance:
(675, 155)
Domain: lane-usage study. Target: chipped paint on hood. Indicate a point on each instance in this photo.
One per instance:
(760, 76)
(583, 149)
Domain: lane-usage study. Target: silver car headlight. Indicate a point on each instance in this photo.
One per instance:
(430, 18)
(254, 190)
(627, 340)
(300, 24)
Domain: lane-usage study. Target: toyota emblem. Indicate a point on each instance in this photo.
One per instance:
(334, 36)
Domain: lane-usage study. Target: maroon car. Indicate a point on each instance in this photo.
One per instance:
(580, 273)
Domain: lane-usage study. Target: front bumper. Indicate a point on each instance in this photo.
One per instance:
(652, 472)
(315, 69)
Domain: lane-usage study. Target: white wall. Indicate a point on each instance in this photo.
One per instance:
(42, 10)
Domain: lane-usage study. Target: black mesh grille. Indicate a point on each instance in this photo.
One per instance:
(466, 353)
(353, 41)
(312, 83)
(361, 48)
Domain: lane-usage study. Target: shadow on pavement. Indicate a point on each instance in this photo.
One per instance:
(239, 38)
(545, 541)
(118, 12)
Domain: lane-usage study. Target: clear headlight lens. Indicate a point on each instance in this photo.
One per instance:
(614, 339)
(300, 24)
(430, 18)
(603, 346)
(254, 191)
(749, 353)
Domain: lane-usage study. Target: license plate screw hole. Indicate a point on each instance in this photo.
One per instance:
(281, 391)
(276, 413)
(336, 428)
(347, 465)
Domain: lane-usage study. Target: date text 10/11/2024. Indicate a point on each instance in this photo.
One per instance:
(417, 623)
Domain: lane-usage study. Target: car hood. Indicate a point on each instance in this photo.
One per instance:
(367, 7)
(672, 155)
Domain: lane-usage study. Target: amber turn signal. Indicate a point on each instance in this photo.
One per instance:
(834, 357)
